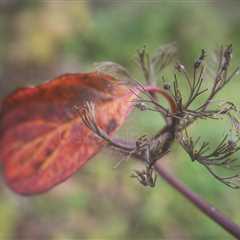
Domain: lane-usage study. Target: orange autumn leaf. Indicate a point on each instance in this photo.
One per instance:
(42, 141)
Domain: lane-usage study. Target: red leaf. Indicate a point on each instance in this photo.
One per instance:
(42, 143)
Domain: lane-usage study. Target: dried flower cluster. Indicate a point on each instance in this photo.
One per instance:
(182, 113)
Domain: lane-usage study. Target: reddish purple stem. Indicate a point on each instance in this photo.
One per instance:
(206, 208)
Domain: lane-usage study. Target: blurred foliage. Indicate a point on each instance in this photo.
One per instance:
(42, 39)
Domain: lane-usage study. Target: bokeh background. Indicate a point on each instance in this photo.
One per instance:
(42, 39)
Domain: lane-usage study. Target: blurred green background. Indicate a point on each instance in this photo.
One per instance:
(40, 40)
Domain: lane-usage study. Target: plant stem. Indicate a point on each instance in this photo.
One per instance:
(197, 201)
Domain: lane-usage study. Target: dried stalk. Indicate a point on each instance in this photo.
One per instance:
(177, 119)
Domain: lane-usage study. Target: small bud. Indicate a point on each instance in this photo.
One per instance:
(166, 86)
(141, 106)
(231, 145)
(200, 59)
(227, 57)
(197, 63)
(180, 67)
(228, 52)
